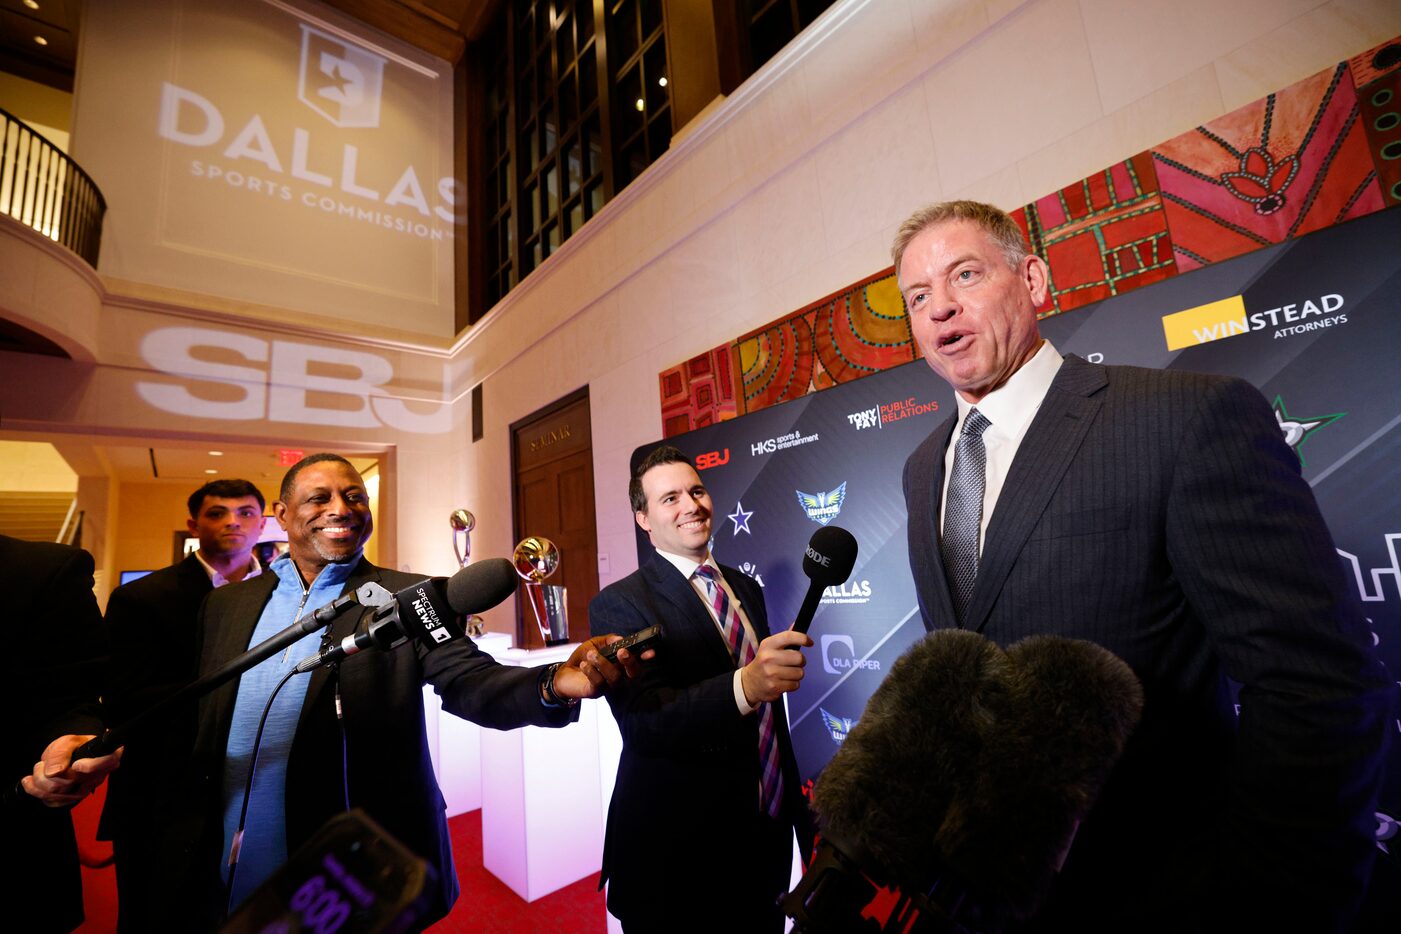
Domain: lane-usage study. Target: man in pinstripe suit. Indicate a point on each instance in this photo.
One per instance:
(1161, 515)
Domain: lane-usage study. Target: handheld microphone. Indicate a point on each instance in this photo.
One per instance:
(428, 612)
(827, 561)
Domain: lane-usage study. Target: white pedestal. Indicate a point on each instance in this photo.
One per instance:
(542, 806)
(455, 744)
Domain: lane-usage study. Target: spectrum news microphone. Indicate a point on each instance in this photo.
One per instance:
(477, 587)
(427, 612)
(963, 783)
(827, 561)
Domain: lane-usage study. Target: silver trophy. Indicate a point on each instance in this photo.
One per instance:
(536, 559)
(463, 522)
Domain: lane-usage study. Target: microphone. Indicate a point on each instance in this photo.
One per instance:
(428, 612)
(827, 561)
(965, 780)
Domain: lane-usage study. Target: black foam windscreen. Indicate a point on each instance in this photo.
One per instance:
(979, 762)
(830, 555)
(481, 585)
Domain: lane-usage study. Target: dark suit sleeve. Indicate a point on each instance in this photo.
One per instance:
(1257, 564)
(659, 712)
(63, 668)
(475, 687)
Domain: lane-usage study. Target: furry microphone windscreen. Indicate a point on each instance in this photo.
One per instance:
(979, 761)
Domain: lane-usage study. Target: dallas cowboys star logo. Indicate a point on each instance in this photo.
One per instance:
(1297, 430)
(740, 518)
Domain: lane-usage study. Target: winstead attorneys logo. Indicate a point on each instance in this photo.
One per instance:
(340, 81)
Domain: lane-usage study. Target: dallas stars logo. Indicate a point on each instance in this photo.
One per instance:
(1298, 430)
(741, 519)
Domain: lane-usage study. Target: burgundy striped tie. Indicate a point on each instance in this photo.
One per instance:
(742, 650)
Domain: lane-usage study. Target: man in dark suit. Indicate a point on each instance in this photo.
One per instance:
(701, 824)
(349, 736)
(49, 676)
(151, 629)
(1161, 515)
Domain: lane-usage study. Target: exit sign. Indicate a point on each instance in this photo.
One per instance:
(286, 457)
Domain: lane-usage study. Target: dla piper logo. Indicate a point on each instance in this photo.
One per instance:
(839, 656)
(281, 387)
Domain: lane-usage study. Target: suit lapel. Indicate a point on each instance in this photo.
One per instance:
(940, 601)
(1055, 434)
(676, 590)
(227, 636)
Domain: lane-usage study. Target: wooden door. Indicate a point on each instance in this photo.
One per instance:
(552, 452)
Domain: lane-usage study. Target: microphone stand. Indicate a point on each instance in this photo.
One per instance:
(367, 595)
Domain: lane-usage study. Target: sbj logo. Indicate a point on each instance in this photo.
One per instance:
(339, 81)
(712, 459)
(822, 508)
(837, 727)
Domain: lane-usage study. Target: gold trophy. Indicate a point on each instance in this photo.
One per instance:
(463, 522)
(536, 559)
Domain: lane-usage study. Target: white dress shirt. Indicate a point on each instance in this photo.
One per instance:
(687, 566)
(1010, 408)
(219, 580)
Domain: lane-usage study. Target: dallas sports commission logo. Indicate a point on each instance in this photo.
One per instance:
(857, 592)
(837, 727)
(340, 81)
(878, 416)
(1228, 317)
(822, 508)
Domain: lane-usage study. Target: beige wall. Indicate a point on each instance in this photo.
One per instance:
(785, 192)
(48, 110)
(794, 187)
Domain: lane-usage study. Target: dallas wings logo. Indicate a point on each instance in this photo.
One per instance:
(822, 508)
(837, 727)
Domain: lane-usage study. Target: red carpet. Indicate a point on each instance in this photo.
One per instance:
(486, 905)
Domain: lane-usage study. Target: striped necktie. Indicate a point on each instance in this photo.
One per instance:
(743, 649)
(963, 511)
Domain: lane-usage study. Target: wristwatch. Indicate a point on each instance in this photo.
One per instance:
(548, 697)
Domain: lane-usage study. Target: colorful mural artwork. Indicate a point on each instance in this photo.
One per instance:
(1324, 150)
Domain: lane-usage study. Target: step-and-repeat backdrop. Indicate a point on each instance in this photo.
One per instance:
(1315, 323)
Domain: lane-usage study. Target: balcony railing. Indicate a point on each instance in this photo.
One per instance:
(42, 188)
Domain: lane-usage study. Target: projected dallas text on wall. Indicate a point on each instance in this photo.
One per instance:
(267, 153)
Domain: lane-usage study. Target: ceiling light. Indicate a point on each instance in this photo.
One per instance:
(32, 4)
(662, 80)
(640, 104)
(41, 40)
(216, 453)
(210, 470)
